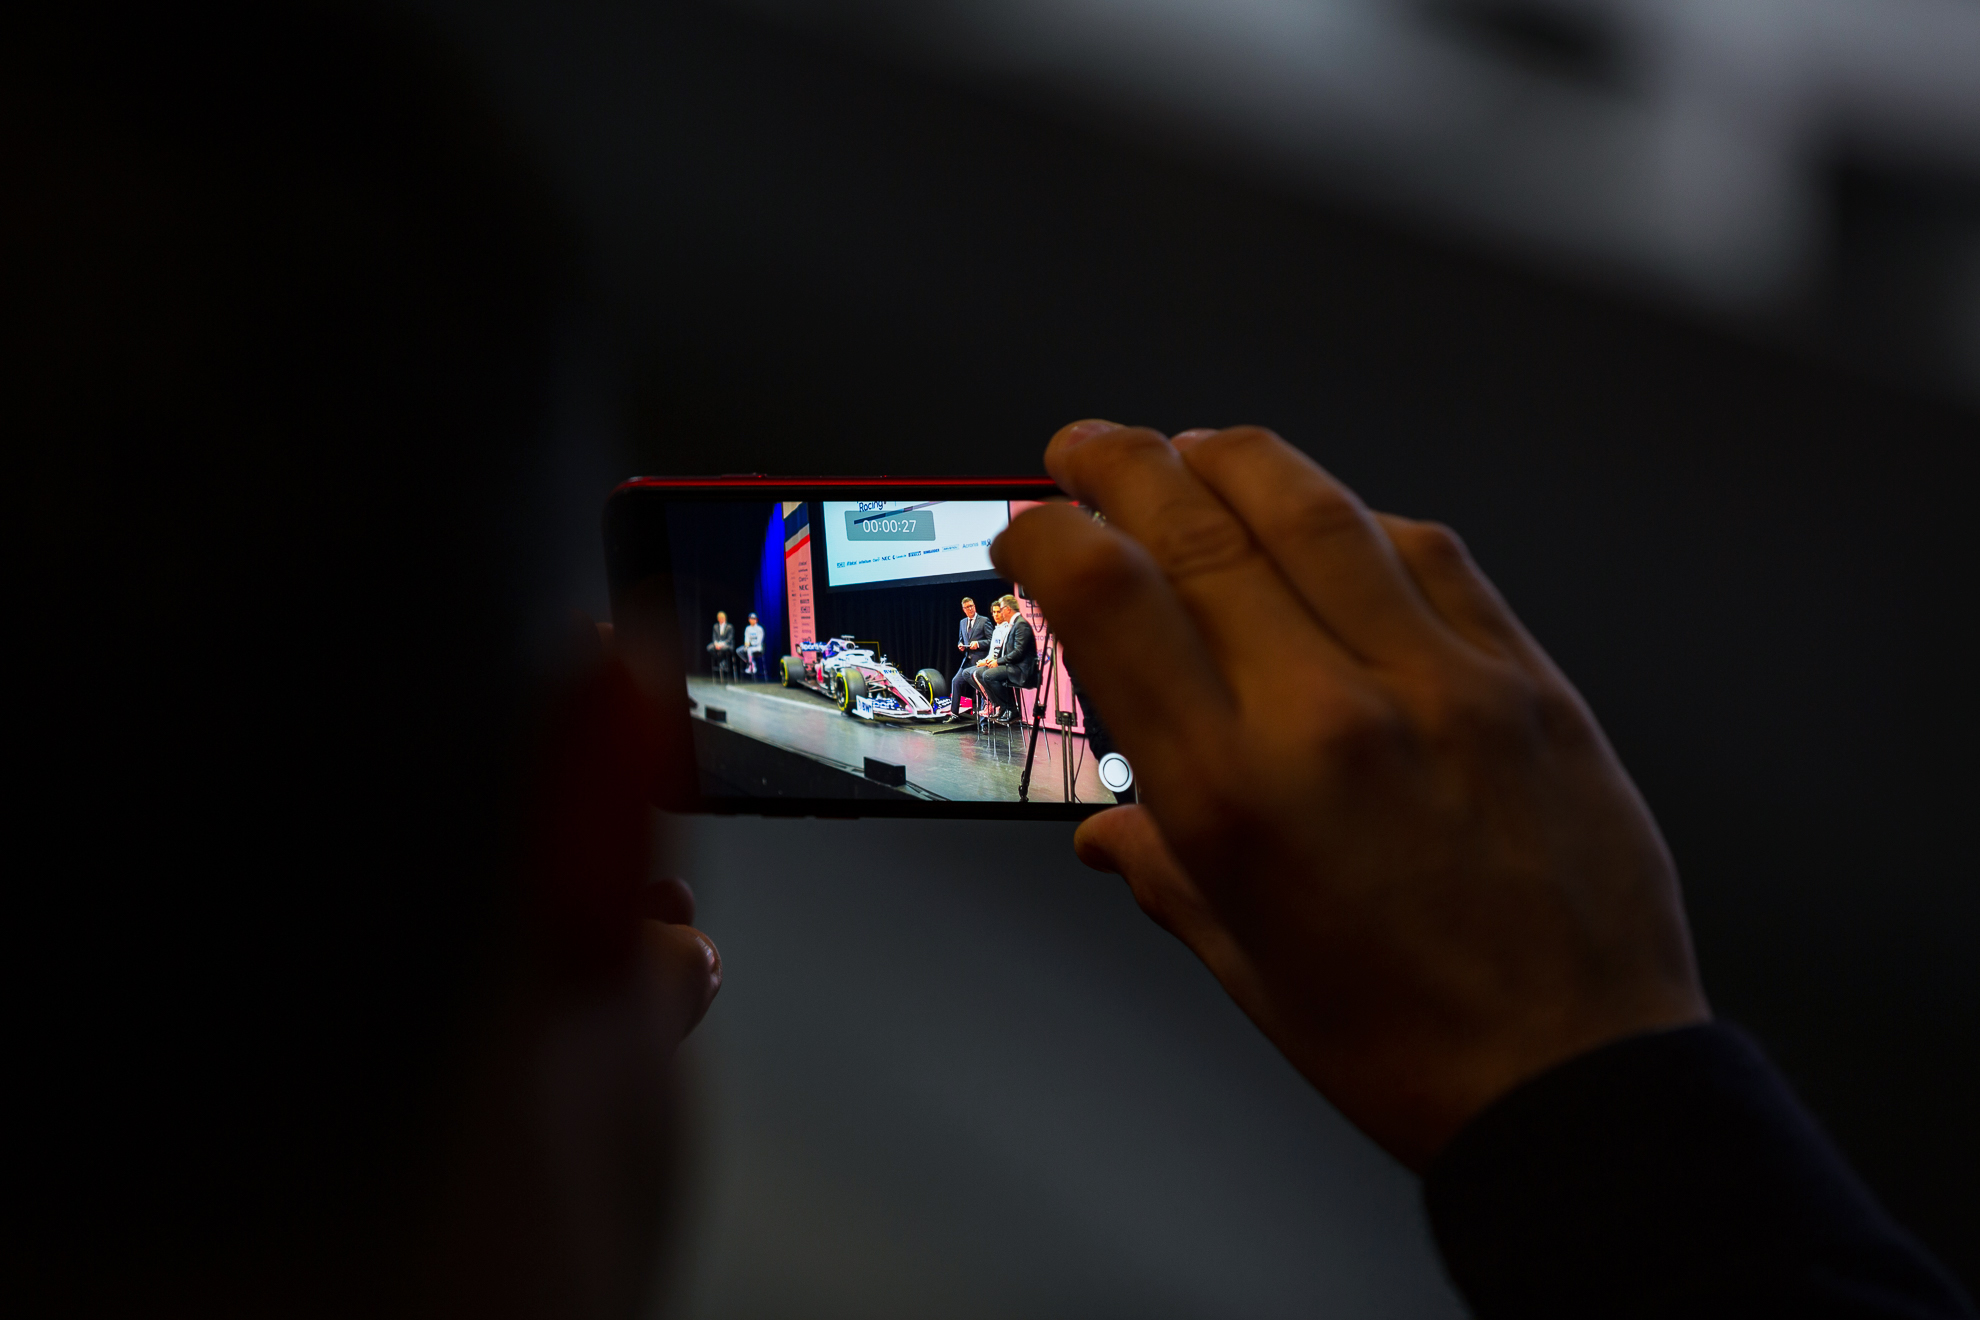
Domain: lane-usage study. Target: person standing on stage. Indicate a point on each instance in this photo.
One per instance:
(1013, 663)
(752, 647)
(973, 641)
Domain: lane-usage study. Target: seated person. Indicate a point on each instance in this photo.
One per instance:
(1014, 663)
(721, 643)
(974, 674)
(752, 647)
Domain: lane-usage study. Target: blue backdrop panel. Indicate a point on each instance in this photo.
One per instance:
(770, 588)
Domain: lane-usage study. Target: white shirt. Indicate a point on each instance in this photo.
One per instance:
(997, 637)
(753, 637)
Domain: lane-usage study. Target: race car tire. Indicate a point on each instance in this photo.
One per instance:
(784, 671)
(933, 683)
(852, 686)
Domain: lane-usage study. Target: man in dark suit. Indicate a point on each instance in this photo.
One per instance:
(722, 643)
(1015, 664)
(973, 641)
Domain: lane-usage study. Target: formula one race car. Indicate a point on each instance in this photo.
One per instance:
(855, 675)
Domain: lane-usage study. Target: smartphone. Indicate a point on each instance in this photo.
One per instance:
(841, 646)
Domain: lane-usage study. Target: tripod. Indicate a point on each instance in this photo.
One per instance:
(1048, 670)
(1037, 715)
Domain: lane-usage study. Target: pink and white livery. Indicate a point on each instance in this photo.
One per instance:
(864, 684)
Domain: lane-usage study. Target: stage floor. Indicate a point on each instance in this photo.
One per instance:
(963, 766)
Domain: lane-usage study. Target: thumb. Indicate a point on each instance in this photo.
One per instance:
(684, 973)
(1128, 842)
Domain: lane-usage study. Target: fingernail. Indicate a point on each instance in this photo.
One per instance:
(1186, 440)
(714, 964)
(1079, 432)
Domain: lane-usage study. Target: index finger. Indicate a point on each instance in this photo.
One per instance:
(1104, 595)
(1211, 560)
(1325, 542)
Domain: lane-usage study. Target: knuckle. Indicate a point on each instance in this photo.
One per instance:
(1491, 705)
(1324, 515)
(1236, 451)
(1239, 441)
(1561, 716)
(1191, 541)
(1434, 545)
(1357, 732)
(1127, 441)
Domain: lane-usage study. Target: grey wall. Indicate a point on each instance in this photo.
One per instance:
(953, 1072)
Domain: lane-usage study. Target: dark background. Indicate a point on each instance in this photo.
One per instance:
(1751, 551)
(717, 547)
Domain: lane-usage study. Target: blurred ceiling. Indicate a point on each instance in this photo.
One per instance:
(1810, 168)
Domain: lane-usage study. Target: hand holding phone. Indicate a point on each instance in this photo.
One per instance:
(1397, 836)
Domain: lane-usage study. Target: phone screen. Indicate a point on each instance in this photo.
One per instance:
(860, 654)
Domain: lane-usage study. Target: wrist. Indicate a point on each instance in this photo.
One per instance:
(1447, 1087)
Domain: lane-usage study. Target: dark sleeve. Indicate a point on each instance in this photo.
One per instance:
(1669, 1175)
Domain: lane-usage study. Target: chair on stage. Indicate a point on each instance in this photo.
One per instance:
(984, 723)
